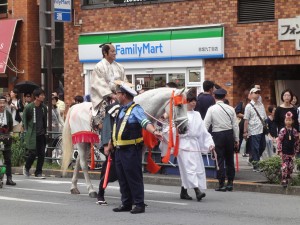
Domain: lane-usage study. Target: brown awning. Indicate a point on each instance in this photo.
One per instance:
(7, 31)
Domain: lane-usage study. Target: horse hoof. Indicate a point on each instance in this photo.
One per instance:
(75, 191)
(93, 194)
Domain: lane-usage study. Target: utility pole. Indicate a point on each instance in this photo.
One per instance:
(47, 41)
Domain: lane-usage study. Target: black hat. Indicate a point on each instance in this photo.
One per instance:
(220, 91)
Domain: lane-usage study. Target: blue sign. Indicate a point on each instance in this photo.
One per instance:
(63, 11)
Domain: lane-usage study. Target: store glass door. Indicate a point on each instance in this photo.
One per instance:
(149, 81)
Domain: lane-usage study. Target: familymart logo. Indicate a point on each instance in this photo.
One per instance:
(148, 48)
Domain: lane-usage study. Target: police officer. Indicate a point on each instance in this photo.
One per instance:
(127, 141)
(225, 132)
(6, 128)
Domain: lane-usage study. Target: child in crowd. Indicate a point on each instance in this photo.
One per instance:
(288, 146)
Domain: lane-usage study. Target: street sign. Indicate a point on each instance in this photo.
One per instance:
(63, 11)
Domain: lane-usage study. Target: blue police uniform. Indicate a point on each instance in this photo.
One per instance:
(127, 139)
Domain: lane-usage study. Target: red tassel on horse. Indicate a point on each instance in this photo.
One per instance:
(92, 157)
(176, 148)
(150, 142)
(166, 158)
(152, 167)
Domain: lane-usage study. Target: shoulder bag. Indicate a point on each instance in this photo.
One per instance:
(265, 125)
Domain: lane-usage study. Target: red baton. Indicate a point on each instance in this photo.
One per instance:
(107, 172)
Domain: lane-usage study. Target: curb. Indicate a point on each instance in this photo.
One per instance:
(173, 180)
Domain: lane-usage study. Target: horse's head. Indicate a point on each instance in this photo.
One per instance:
(180, 111)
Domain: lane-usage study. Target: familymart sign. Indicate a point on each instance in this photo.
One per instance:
(174, 44)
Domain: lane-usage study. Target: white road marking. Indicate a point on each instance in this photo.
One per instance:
(28, 200)
(40, 190)
(68, 193)
(148, 200)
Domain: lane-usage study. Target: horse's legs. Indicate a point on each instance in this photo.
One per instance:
(83, 149)
(74, 189)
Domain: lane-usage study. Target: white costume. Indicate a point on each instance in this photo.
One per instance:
(102, 80)
(191, 145)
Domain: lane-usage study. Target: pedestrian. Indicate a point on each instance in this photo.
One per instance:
(171, 85)
(35, 128)
(27, 99)
(254, 117)
(273, 133)
(191, 146)
(57, 120)
(111, 112)
(240, 110)
(288, 147)
(60, 104)
(294, 102)
(6, 128)
(286, 106)
(102, 82)
(127, 141)
(225, 132)
(78, 99)
(16, 108)
(205, 99)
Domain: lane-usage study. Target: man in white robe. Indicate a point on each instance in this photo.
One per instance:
(102, 82)
(191, 146)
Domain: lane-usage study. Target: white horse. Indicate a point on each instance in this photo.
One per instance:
(155, 103)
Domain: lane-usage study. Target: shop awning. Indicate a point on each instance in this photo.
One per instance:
(7, 30)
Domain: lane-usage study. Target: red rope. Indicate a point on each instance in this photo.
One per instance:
(166, 158)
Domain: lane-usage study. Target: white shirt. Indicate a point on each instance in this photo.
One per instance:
(220, 121)
(254, 124)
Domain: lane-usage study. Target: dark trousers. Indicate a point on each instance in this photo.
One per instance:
(111, 178)
(7, 162)
(129, 170)
(38, 152)
(224, 144)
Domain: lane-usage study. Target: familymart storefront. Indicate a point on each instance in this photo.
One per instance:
(153, 58)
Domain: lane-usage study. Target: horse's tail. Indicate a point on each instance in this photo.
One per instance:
(67, 144)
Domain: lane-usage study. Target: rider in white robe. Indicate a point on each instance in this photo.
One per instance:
(102, 82)
(196, 141)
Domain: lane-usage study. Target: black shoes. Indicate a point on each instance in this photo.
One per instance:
(135, 210)
(229, 186)
(184, 194)
(221, 188)
(199, 194)
(123, 208)
(9, 181)
(138, 209)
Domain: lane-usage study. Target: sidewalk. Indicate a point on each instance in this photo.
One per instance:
(245, 180)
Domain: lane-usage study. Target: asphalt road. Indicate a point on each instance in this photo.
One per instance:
(36, 202)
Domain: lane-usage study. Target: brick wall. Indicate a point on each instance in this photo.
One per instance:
(245, 44)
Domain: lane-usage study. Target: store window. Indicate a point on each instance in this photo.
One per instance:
(194, 77)
(177, 78)
(149, 81)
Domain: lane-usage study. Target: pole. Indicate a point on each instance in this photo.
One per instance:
(48, 47)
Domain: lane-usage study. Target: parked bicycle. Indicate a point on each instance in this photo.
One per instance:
(57, 151)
